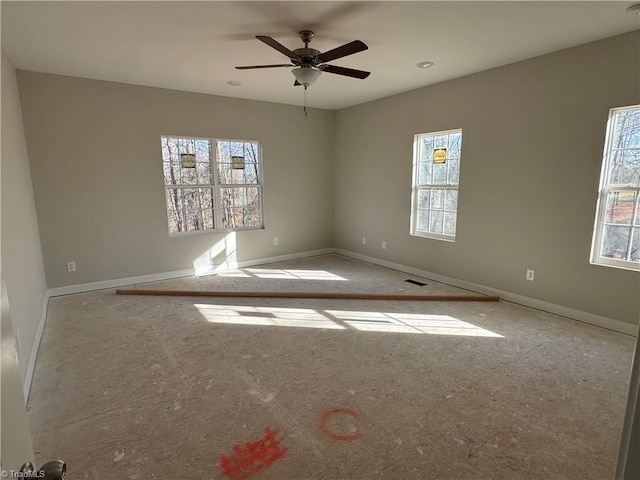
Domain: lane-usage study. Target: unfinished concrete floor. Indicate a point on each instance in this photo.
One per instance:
(129, 387)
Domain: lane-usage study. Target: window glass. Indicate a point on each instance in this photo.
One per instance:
(436, 173)
(211, 184)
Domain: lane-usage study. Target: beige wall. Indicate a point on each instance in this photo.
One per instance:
(22, 266)
(533, 135)
(97, 173)
(532, 147)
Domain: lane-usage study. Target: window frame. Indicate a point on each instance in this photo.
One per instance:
(216, 187)
(604, 189)
(416, 186)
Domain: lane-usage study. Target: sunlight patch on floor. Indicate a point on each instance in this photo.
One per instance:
(383, 322)
(410, 323)
(294, 274)
(280, 317)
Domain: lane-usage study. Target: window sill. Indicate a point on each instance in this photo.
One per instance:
(211, 231)
(622, 265)
(435, 236)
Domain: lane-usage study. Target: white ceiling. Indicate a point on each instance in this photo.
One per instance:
(194, 46)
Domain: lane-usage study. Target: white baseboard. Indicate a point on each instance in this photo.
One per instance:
(118, 282)
(579, 315)
(26, 387)
(201, 271)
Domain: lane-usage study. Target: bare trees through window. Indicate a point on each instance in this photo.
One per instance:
(617, 231)
(212, 184)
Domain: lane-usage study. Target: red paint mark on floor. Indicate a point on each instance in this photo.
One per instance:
(322, 424)
(252, 457)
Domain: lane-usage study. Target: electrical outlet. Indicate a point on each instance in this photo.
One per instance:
(364, 241)
(71, 266)
(531, 275)
(18, 343)
(384, 245)
(276, 240)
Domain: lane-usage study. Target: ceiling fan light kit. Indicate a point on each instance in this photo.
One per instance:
(306, 75)
(310, 63)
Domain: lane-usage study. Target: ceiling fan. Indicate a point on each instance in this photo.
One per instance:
(309, 62)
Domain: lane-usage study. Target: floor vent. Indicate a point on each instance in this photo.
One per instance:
(415, 282)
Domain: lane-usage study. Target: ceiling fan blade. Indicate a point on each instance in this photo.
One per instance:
(278, 46)
(248, 67)
(347, 72)
(339, 52)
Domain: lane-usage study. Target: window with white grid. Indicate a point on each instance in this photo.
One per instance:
(616, 238)
(212, 184)
(436, 172)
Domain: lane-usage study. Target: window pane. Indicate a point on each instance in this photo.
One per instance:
(204, 173)
(635, 246)
(439, 173)
(451, 199)
(615, 242)
(203, 151)
(441, 141)
(207, 216)
(240, 207)
(238, 163)
(625, 167)
(454, 170)
(437, 198)
(423, 198)
(455, 145)
(186, 161)
(224, 173)
(190, 209)
(251, 172)
(188, 176)
(190, 198)
(426, 150)
(424, 172)
(194, 220)
(170, 177)
(626, 132)
(620, 207)
(174, 209)
(449, 223)
(435, 224)
(252, 166)
(170, 150)
(423, 221)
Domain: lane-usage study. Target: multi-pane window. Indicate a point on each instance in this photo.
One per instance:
(616, 239)
(436, 171)
(212, 184)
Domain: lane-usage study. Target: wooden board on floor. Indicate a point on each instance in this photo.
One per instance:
(332, 295)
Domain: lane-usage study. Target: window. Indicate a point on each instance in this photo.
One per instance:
(212, 184)
(616, 238)
(436, 170)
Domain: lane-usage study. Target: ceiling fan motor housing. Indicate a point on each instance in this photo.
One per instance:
(308, 55)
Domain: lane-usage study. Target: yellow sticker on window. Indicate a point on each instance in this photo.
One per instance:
(237, 162)
(440, 155)
(188, 160)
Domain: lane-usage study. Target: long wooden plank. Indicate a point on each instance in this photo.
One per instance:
(333, 295)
